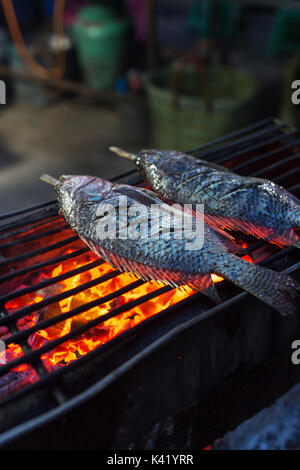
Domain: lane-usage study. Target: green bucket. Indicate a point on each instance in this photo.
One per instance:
(182, 119)
(99, 38)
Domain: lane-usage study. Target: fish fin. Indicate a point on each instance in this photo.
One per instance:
(206, 286)
(294, 238)
(288, 238)
(228, 223)
(176, 279)
(234, 247)
(278, 290)
(228, 240)
(223, 233)
(213, 224)
(297, 243)
(268, 234)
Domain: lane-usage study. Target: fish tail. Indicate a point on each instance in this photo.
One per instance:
(278, 290)
(205, 285)
(211, 291)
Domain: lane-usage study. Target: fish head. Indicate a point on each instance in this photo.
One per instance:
(149, 157)
(166, 162)
(75, 190)
(152, 164)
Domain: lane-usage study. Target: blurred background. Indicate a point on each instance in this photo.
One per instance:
(82, 75)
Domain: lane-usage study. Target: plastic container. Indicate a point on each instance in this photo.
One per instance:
(99, 38)
(185, 122)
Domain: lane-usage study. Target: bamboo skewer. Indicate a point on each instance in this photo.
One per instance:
(123, 153)
(49, 179)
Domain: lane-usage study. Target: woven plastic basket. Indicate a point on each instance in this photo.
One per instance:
(184, 121)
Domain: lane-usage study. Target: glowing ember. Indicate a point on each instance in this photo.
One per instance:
(73, 349)
(81, 345)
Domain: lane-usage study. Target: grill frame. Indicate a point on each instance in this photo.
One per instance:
(36, 215)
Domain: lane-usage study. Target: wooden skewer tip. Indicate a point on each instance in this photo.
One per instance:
(49, 179)
(122, 153)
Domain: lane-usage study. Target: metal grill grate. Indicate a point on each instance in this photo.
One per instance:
(268, 149)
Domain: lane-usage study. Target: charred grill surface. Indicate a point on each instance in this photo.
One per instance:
(45, 379)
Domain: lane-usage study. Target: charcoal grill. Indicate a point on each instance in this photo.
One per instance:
(179, 369)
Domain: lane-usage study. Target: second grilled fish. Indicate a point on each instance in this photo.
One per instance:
(164, 259)
(251, 205)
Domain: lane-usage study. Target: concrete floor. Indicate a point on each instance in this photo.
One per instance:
(67, 137)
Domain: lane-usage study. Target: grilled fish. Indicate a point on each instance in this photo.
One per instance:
(251, 205)
(165, 259)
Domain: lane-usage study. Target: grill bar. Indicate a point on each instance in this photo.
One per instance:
(295, 187)
(200, 317)
(275, 132)
(52, 299)
(254, 147)
(54, 231)
(277, 164)
(46, 264)
(260, 157)
(32, 355)
(271, 153)
(25, 229)
(26, 350)
(49, 282)
(24, 334)
(257, 137)
(57, 298)
(291, 172)
(38, 236)
(28, 209)
(234, 134)
(32, 218)
(20, 336)
(41, 251)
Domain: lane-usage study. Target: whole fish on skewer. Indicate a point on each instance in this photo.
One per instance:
(251, 205)
(159, 258)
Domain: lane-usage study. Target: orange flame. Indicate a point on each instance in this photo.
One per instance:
(100, 334)
(73, 349)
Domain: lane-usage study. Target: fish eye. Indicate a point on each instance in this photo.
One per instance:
(69, 186)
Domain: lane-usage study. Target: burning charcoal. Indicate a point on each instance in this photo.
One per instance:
(4, 332)
(9, 383)
(15, 380)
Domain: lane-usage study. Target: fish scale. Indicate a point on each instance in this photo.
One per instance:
(252, 205)
(166, 259)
